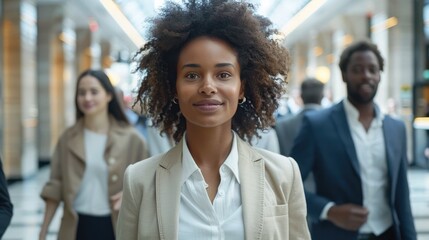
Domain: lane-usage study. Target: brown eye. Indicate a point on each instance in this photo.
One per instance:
(357, 70)
(81, 93)
(191, 76)
(224, 75)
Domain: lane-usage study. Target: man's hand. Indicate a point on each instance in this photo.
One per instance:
(348, 216)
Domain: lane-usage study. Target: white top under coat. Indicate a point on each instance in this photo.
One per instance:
(198, 217)
(92, 198)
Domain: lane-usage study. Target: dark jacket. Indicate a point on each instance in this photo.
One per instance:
(6, 208)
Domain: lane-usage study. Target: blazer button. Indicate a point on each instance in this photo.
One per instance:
(111, 161)
(114, 178)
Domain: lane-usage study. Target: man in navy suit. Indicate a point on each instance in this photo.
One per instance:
(358, 157)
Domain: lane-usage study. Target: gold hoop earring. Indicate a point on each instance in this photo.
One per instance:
(241, 101)
(175, 101)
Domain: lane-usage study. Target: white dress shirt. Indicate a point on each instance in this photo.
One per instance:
(198, 217)
(92, 197)
(371, 154)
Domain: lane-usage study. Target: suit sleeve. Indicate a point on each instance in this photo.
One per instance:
(298, 228)
(6, 208)
(304, 151)
(127, 224)
(281, 138)
(402, 197)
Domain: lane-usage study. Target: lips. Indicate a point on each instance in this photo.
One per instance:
(208, 105)
(88, 106)
(367, 88)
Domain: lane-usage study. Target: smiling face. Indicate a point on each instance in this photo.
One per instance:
(362, 77)
(208, 83)
(92, 98)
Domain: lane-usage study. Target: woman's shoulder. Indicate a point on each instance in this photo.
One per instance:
(71, 130)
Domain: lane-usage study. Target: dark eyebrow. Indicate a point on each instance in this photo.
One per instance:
(219, 65)
(191, 65)
(224, 65)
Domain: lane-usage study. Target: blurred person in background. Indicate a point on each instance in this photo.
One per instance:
(89, 161)
(358, 157)
(287, 128)
(211, 83)
(156, 142)
(294, 102)
(6, 207)
(267, 140)
(138, 121)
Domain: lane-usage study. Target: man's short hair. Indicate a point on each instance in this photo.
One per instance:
(312, 91)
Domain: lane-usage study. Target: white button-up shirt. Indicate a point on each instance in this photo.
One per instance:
(198, 217)
(371, 154)
(93, 195)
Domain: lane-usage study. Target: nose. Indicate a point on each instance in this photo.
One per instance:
(87, 96)
(367, 73)
(207, 86)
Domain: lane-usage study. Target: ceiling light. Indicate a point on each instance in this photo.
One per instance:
(123, 22)
(388, 23)
(301, 16)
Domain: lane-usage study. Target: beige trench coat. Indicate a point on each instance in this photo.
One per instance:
(124, 146)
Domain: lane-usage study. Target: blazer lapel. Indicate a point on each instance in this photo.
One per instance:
(251, 170)
(391, 144)
(168, 179)
(343, 130)
(76, 143)
(115, 131)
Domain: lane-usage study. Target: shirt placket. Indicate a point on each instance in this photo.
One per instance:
(205, 203)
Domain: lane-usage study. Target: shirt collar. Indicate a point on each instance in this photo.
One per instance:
(189, 166)
(353, 113)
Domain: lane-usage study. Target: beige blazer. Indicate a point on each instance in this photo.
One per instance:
(124, 146)
(271, 188)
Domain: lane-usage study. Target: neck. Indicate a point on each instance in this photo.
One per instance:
(365, 110)
(209, 147)
(98, 123)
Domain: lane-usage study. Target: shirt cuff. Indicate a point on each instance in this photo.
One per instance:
(324, 214)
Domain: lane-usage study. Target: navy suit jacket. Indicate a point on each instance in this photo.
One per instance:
(325, 147)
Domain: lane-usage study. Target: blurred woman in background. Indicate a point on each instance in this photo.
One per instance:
(89, 161)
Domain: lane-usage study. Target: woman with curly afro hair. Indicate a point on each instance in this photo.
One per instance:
(212, 73)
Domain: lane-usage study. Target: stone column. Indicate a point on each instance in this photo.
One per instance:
(106, 59)
(400, 49)
(83, 49)
(299, 56)
(56, 43)
(19, 88)
(400, 67)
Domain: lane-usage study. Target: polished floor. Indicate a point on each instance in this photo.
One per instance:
(28, 207)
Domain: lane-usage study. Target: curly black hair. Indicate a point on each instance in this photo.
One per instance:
(264, 63)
